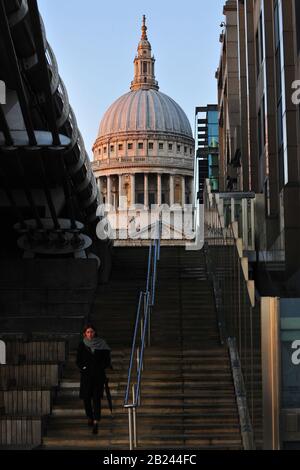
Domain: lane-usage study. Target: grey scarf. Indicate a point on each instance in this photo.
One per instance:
(96, 343)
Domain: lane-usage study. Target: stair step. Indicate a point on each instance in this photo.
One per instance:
(153, 410)
(100, 441)
(144, 423)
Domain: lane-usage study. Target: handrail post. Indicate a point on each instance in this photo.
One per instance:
(133, 349)
(149, 267)
(134, 418)
(154, 278)
(137, 359)
(149, 326)
(142, 328)
(145, 313)
(130, 428)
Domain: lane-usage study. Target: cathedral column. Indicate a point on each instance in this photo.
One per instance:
(108, 190)
(172, 195)
(183, 191)
(146, 190)
(132, 189)
(120, 189)
(159, 189)
(99, 189)
(192, 190)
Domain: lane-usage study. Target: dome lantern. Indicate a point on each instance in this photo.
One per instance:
(144, 77)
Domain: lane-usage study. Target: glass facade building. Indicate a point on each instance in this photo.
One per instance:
(207, 148)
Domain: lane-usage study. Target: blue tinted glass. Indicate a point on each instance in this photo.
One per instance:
(212, 117)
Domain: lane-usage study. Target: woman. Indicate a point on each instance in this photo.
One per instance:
(93, 357)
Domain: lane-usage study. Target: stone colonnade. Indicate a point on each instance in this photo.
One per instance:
(182, 195)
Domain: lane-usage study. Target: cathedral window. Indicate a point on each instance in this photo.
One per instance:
(144, 67)
(170, 147)
(112, 148)
(120, 147)
(178, 148)
(140, 145)
(161, 146)
(130, 146)
(104, 149)
(150, 145)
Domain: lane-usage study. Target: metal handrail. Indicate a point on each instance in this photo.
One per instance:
(142, 323)
(133, 347)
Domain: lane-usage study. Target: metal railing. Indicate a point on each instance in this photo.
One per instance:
(239, 207)
(238, 313)
(141, 339)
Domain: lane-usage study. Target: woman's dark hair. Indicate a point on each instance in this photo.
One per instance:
(87, 326)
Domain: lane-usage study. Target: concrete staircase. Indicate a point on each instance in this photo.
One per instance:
(187, 372)
(187, 390)
(114, 313)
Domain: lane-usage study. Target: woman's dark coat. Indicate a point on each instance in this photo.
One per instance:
(92, 370)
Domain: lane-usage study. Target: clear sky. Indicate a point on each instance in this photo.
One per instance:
(95, 42)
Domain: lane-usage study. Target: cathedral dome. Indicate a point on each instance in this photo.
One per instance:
(144, 148)
(145, 110)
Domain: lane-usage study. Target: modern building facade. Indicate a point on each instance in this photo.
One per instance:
(259, 123)
(207, 148)
(145, 147)
(259, 130)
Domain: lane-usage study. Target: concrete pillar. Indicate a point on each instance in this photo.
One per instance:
(172, 187)
(146, 190)
(183, 191)
(132, 189)
(159, 189)
(108, 190)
